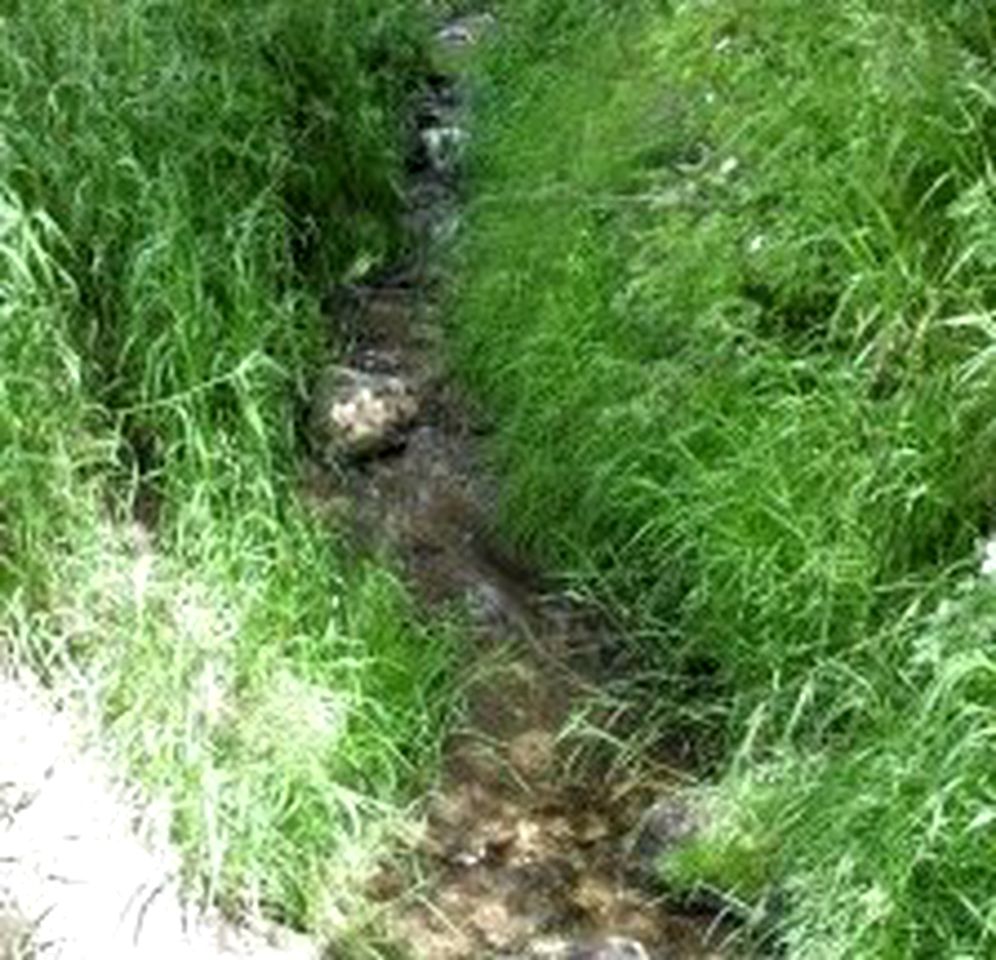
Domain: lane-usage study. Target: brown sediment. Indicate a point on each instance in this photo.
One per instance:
(522, 852)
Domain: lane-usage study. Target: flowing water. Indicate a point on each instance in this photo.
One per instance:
(524, 853)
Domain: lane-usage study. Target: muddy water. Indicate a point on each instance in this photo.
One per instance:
(523, 855)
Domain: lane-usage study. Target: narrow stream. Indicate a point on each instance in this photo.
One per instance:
(524, 856)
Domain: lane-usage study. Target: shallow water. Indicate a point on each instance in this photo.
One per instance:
(523, 854)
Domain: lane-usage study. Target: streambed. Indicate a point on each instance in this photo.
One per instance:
(524, 854)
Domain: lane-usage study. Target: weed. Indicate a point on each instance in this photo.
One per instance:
(179, 185)
(726, 289)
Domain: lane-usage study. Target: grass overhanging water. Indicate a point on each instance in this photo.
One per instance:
(726, 288)
(180, 184)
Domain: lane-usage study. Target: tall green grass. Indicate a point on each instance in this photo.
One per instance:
(726, 288)
(180, 183)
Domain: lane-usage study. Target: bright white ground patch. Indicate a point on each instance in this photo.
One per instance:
(86, 872)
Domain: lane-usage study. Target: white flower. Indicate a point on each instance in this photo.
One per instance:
(988, 568)
(729, 166)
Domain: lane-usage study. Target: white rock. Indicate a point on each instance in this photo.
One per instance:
(360, 414)
(456, 34)
(444, 146)
(611, 948)
(466, 31)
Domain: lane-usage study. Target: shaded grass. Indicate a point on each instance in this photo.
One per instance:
(179, 186)
(726, 290)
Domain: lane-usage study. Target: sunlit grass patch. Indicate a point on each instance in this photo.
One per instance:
(180, 185)
(282, 733)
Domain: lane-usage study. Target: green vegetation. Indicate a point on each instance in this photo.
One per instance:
(727, 290)
(179, 183)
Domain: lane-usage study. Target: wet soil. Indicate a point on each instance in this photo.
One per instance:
(524, 854)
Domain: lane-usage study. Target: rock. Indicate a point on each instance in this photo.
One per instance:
(611, 948)
(444, 146)
(533, 753)
(357, 414)
(466, 31)
(668, 824)
(455, 35)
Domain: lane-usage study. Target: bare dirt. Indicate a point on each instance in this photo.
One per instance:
(86, 868)
(524, 853)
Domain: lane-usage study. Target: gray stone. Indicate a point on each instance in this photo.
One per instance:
(466, 31)
(668, 824)
(611, 948)
(358, 414)
(444, 146)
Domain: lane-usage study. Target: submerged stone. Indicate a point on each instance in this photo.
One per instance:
(669, 824)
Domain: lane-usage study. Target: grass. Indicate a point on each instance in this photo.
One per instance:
(726, 289)
(180, 184)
